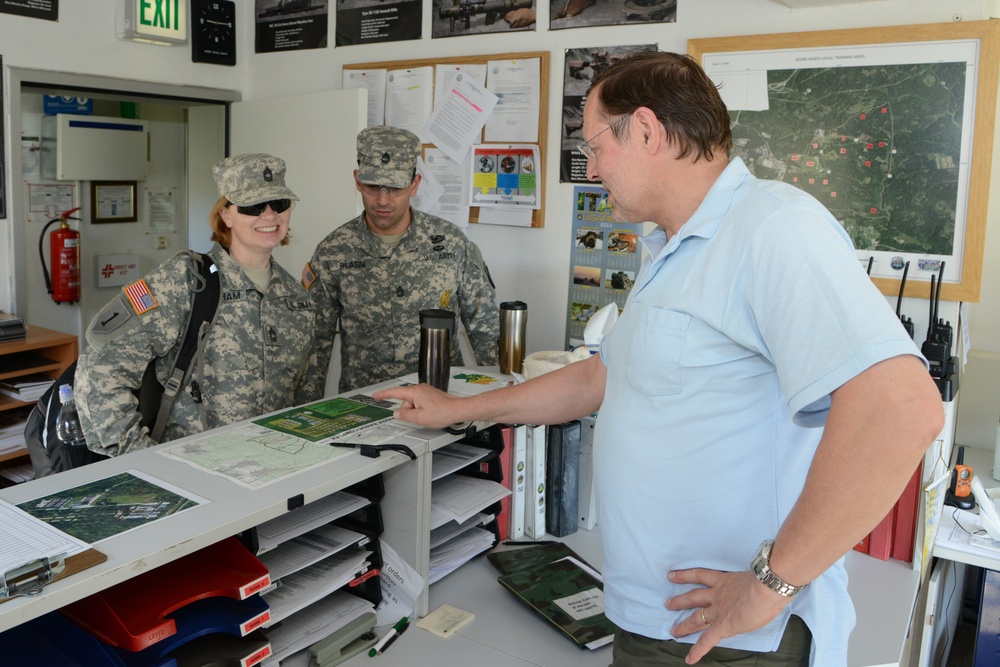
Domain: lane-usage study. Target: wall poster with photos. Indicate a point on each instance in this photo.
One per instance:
(603, 263)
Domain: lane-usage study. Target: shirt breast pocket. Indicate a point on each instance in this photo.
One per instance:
(655, 354)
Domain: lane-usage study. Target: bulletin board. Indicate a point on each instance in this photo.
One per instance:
(538, 215)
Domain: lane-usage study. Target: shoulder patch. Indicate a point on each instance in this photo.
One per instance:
(308, 276)
(113, 316)
(139, 296)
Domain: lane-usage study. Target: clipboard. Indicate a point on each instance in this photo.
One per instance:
(29, 580)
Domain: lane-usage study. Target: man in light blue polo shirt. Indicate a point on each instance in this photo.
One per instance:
(761, 407)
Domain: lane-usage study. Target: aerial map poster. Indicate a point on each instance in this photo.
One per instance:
(891, 129)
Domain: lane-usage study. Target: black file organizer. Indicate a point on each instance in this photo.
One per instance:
(366, 520)
(490, 438)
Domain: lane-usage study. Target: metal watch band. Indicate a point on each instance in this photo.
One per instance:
(760, 565)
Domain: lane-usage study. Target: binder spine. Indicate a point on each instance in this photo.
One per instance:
(562, 479)
(519, 488)
(534, 515)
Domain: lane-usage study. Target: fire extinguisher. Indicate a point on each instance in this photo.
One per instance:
(64, 252)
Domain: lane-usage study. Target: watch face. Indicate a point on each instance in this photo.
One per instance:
(213, 31)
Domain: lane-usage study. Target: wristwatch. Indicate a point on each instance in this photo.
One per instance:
(762, 569)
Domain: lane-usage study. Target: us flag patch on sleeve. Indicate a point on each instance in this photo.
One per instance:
(140, 298)
(308, 277)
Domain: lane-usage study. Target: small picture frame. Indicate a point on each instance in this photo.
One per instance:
(113, 201)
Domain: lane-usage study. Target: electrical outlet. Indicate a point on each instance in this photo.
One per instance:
(161, 243)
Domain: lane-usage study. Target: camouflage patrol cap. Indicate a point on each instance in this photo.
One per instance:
(387, 156)
(251, 178)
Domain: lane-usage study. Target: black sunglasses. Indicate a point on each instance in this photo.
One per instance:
(277, 205)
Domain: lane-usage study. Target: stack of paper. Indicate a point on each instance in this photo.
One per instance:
(303, 519)
(457, 502)
(454, 553)
(301, 589)
(12, 328)
(320, 620)
(19, 473)
(459, 497)
(12, 429)
(454, 457)
(26, 388)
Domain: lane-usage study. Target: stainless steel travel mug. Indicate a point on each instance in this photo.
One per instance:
(436, 327)
(513, 325)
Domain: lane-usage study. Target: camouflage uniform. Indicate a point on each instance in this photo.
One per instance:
(377, 292)
(259, 356)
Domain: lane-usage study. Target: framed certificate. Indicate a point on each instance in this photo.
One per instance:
(112, 201)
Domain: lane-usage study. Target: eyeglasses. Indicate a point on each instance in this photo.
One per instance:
(587, 150)
(277, 205)
(375, 190)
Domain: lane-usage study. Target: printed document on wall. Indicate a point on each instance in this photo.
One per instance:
(457, 121)
(409, 97)
(452, 176)
(444, 75)
(372, 80)
(516, 84)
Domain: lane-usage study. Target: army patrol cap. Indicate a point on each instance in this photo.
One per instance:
(387, 156)
(251, 178)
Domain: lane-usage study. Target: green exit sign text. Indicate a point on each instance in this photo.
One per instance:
(156, 21)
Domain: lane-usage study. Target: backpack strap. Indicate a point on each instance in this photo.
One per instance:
(204, 303)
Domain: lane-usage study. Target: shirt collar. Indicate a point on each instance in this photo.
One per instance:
(706, 219)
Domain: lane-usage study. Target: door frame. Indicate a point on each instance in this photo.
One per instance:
(19, 77)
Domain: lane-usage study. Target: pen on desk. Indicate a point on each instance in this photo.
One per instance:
(393, 638)
(396, 629)
(516, 543)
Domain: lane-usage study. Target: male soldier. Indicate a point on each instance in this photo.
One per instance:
(376, 273)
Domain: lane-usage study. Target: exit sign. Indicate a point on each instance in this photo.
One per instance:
(153, 21)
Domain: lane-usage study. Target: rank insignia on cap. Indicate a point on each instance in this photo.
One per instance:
(268, 175)
(386, 158)
(308, 276)
(139, 296)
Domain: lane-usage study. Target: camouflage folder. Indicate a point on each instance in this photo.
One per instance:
(509, 561)
(567, 596)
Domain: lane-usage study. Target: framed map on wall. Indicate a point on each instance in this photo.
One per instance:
(890, 128)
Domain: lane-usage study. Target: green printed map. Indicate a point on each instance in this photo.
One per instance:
(325, 419)
(879, 146)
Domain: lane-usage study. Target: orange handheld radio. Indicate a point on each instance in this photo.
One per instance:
(959, 493)
(963, 480)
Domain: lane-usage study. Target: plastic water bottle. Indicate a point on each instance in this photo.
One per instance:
(68, 428)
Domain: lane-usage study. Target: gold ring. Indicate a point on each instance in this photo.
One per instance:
(703, 619)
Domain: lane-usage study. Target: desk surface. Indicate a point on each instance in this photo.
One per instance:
(232, 508)
(505, 633)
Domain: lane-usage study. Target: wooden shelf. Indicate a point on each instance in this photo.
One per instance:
(42, 351)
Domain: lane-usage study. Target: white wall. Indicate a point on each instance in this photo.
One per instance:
(527, 264)
(532, 264)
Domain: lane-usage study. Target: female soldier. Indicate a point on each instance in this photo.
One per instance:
(258, 354)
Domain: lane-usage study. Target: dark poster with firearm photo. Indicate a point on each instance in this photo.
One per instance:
(580, 67)
(370, 21)
(291, 25)
(35, 9)
(587, 13)
(454, 18)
